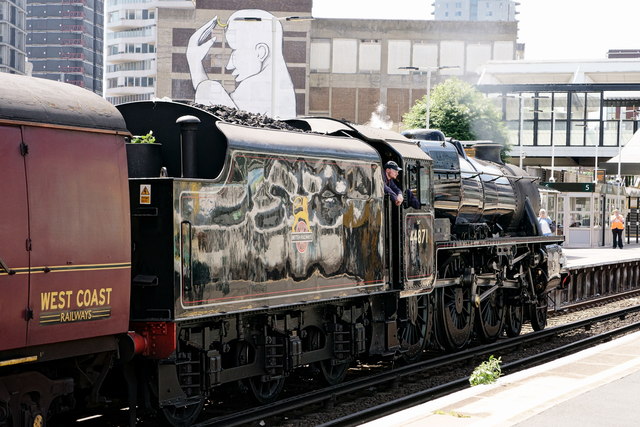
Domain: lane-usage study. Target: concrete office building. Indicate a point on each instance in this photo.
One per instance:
(355, 64)
(65, 41)
(475, 10)
(12, 36)
(131, 43)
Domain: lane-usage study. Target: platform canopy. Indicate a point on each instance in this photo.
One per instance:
(629, 158)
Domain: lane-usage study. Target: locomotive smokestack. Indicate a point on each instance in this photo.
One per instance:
(188, 128)
(488, 151)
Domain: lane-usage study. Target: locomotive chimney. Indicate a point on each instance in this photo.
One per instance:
(188, 128)
(488, 151)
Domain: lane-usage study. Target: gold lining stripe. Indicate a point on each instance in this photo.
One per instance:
(63, 268)
(18, 361)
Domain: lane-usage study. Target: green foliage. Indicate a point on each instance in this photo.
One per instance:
(487, 372)
(144, 139)
(461, 112)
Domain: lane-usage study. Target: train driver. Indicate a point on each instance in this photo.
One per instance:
(391, 170)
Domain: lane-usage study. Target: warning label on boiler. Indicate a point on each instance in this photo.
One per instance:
(145, 194)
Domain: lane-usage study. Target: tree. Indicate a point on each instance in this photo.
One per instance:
(460, 111)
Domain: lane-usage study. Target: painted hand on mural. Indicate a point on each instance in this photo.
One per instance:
(208, 92)
(251, 34)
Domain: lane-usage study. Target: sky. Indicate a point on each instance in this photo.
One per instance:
(550, 29)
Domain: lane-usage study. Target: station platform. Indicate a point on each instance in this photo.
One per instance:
(591, 257)
(599, 386)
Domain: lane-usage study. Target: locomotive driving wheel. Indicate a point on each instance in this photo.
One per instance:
(455, 307)
(491, 316)
(538, 313)
(415, 326)
(514, 319)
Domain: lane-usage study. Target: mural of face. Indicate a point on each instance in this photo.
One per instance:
(250, 48)
(249, 34)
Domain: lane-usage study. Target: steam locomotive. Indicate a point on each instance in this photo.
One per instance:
(239, 252)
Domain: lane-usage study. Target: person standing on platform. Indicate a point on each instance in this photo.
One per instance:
(545, 223)
(617, 227)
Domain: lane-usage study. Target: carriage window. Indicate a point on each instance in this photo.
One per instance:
(419, 182)
(425, 185)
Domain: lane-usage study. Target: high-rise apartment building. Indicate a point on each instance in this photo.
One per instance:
(12, 36)
(475, 10)
(65, 41)
(131, 40)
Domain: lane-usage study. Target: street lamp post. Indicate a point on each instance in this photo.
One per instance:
(553, 147)
(429, 70)
(520, 128)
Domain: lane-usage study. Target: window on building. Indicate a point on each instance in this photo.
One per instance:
(425, 55)
(458, 13)
(344, 56)
(399, 55)
(320, 55)
(369, 55)
(580, 212)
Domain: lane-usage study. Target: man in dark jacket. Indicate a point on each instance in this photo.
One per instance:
(391, 170)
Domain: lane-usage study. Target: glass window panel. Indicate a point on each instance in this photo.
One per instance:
(560, 103)
(560, 220)
(592, 134)
(345, 52)
(580, 212)
(512, 108)
(320, 55)
(452, 54)
(577, 133)
(425, 186)
(528, 105)
(627, 132)
(399, 55)
(527, 133)
(610, 133)
(477, 55)
(425, 55)
(542, 103)
(544, 132)
(560, 133)
(512, 133)
(369, 57)
(577, 105)
(593, 106)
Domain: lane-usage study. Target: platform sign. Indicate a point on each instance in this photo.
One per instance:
(145, 194)
(578, 187)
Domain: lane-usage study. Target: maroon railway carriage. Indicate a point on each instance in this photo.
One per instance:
(64, 240)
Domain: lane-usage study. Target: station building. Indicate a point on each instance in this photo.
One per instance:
(568, 123)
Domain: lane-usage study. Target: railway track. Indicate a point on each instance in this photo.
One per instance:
(330, 396)
(461, 383)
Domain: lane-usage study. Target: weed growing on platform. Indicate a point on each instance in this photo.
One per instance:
(487, 372)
